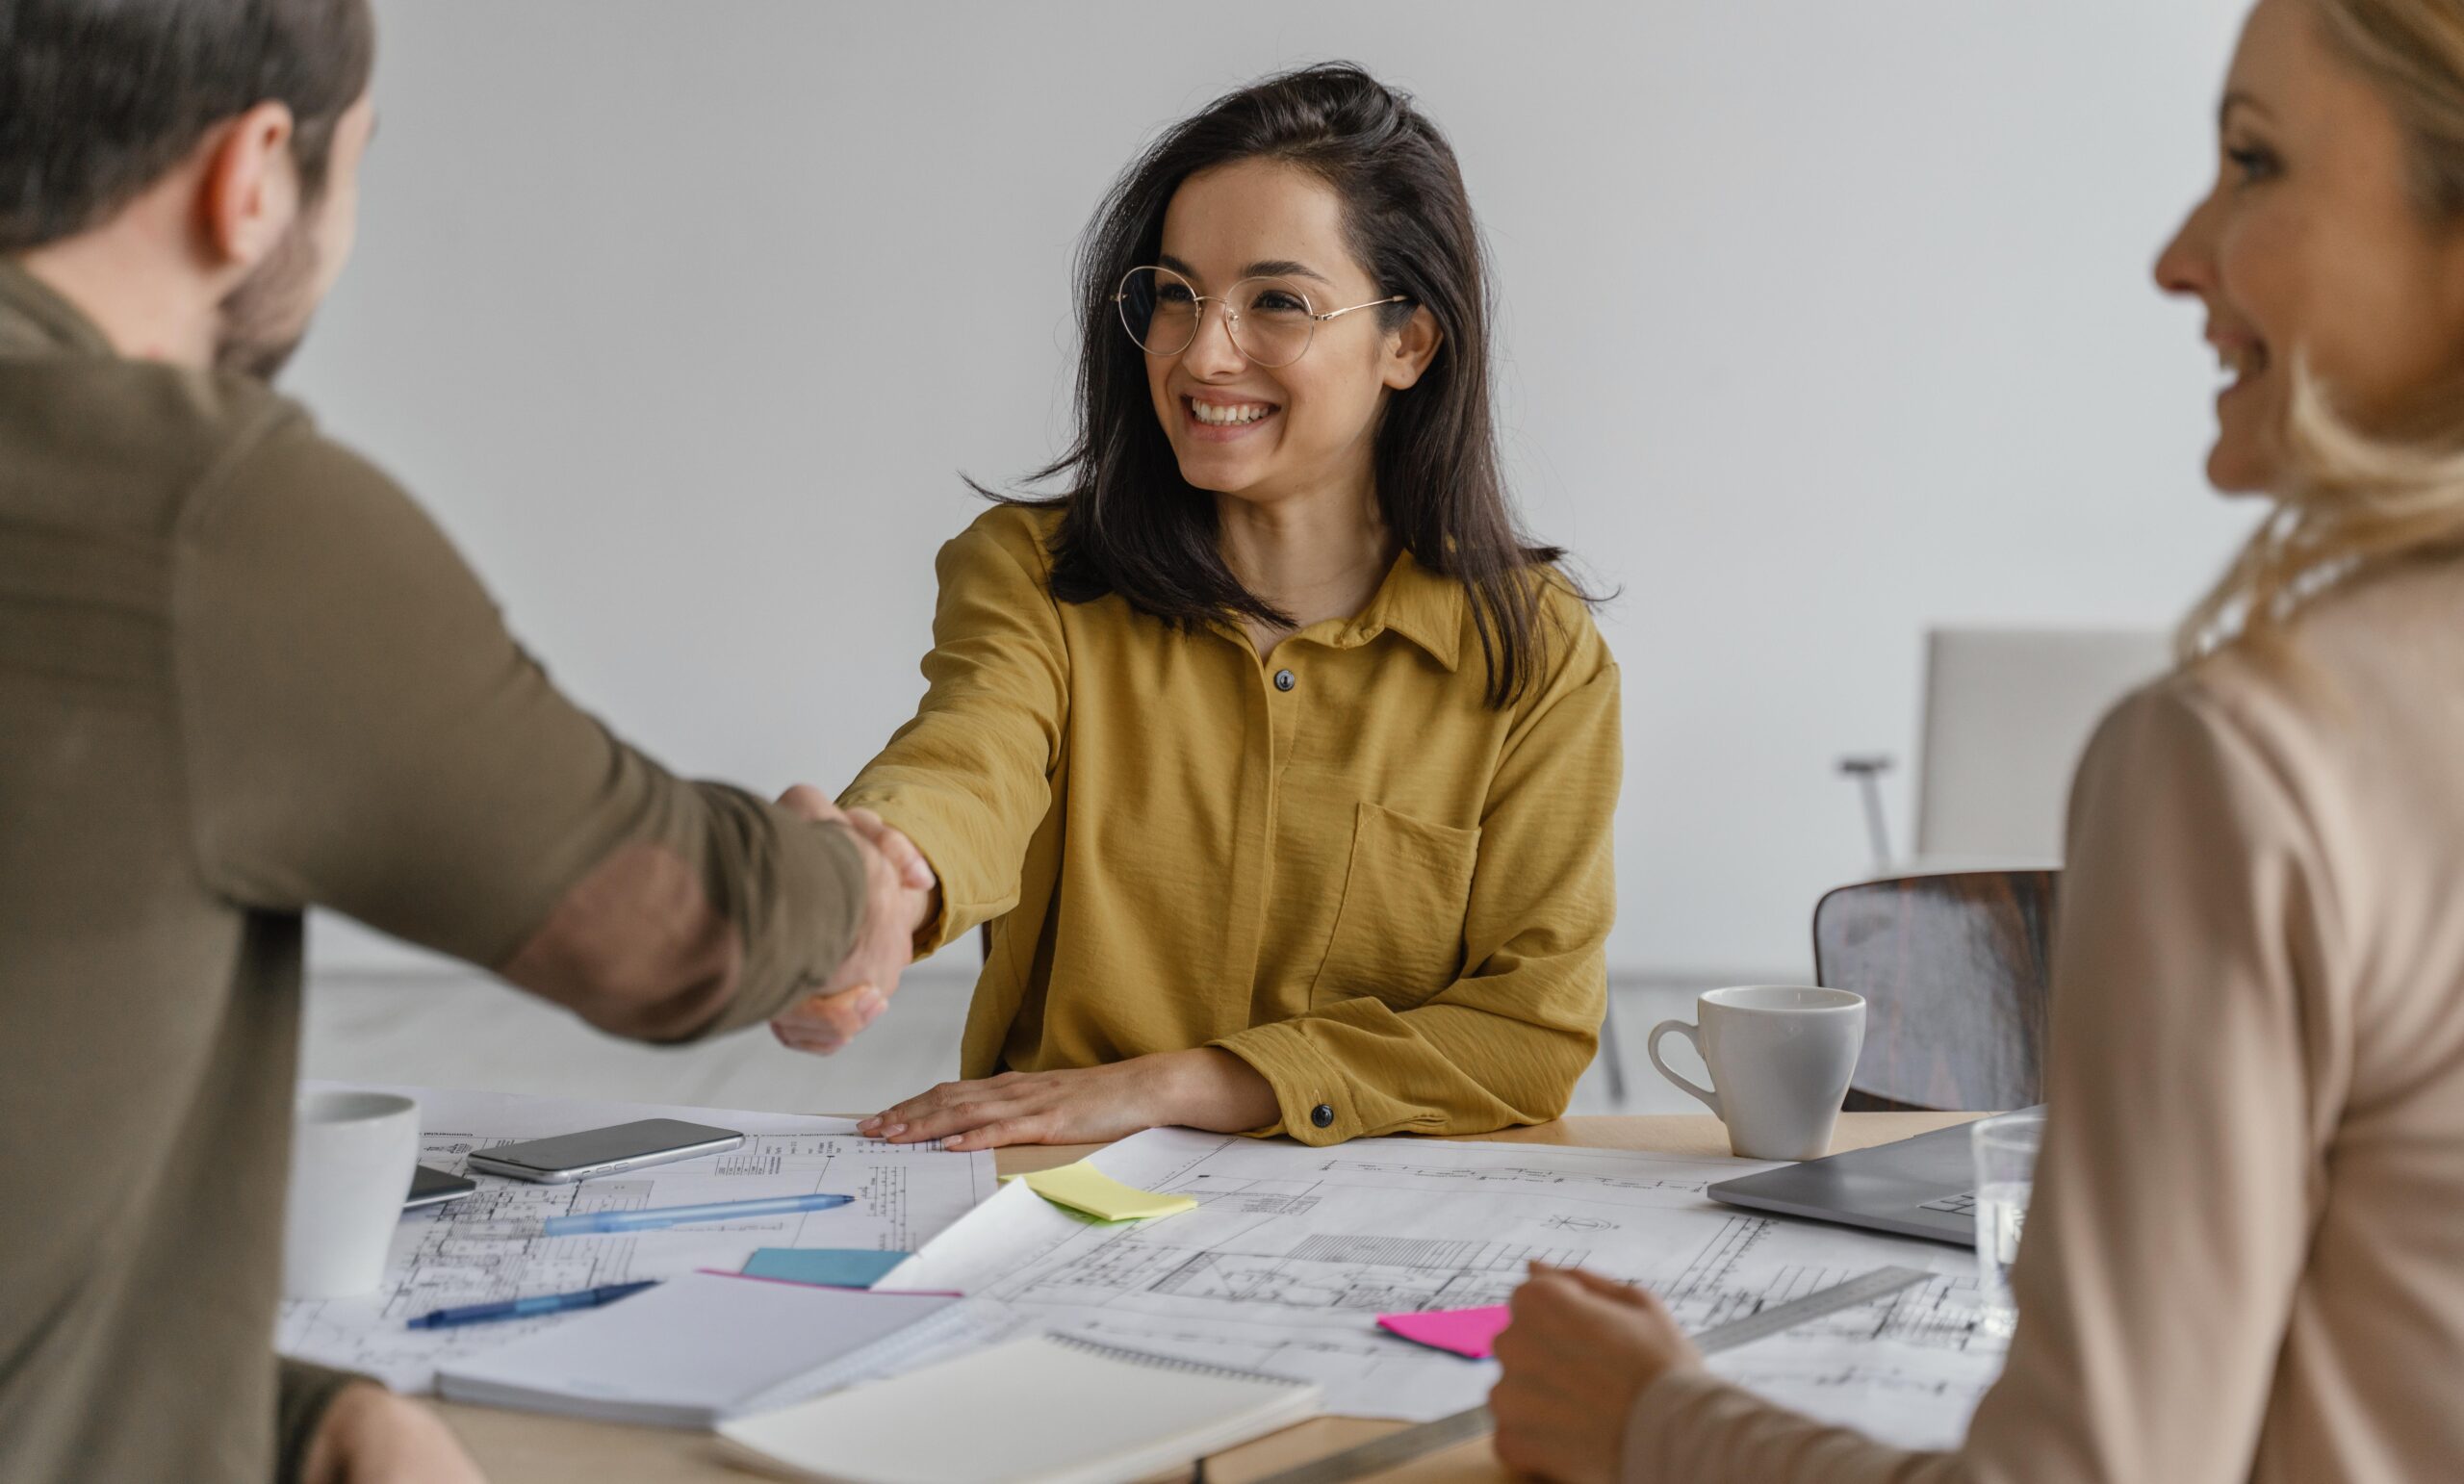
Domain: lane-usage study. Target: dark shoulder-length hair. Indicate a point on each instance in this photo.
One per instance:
(1131, 524)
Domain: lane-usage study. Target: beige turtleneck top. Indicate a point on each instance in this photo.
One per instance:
(2245, 1253)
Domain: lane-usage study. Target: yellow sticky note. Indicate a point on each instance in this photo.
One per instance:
(1082, 1187)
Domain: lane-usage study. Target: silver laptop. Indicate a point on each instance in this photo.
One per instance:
(1921, 1187)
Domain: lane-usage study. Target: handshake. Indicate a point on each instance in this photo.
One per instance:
(900, 893)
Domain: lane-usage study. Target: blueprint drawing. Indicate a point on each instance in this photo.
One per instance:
(1292, 1252)
(488, 1246)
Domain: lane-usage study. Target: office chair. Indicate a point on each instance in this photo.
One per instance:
(1956, 971)
(2007, 713)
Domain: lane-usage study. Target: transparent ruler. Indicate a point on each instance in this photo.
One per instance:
(1381, 1454)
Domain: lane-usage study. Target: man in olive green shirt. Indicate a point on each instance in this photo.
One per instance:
(242, 675)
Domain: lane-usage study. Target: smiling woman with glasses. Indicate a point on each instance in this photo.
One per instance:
(1282, 764)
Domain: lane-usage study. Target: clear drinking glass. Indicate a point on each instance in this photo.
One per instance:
(2006, 1167)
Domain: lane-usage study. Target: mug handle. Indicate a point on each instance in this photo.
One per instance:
(1651, 1047)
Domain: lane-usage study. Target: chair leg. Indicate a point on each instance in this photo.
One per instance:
(1615, 1053)
(1867, 771)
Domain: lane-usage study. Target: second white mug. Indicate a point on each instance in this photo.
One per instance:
(1781, 1057)
(351, 1157)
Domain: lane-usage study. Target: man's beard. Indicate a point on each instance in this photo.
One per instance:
(265, 317)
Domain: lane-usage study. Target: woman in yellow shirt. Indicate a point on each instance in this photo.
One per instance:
(1282, 764)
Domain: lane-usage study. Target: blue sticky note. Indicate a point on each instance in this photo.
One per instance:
(836, 1268)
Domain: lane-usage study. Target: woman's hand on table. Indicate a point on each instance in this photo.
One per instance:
(1205, 1089)
(1577, 1352)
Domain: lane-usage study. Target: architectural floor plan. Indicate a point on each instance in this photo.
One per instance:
(489, 1246)
(1292, 1252)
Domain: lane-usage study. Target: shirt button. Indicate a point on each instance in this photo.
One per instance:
(1323, 1116)
(1285, 679)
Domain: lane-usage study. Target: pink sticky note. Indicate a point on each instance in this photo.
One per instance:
(1463, 1331)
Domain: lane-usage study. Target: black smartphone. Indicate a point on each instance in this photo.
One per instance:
(607, 1151)
(434, 1188)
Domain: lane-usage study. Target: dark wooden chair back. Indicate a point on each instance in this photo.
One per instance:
(1955, 969)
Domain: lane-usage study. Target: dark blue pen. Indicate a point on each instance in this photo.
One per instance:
(524, 1308)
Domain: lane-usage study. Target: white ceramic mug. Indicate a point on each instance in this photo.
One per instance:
(1779, 1058)
(351, 1157)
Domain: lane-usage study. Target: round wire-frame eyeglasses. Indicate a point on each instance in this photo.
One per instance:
(1270, 320)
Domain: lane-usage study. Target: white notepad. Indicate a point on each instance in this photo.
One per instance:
(702, 1347)
(1046, 1409)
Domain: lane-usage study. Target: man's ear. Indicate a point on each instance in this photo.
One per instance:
(1412, 349)
(249, 193)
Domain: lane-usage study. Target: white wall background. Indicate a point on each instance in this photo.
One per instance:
(1823, 321)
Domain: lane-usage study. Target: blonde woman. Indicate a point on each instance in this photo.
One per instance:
(2245, 1258)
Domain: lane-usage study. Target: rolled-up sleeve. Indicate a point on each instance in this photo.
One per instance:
(303, 1394)
(363, 734)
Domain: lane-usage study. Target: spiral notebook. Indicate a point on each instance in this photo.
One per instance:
(1046, 1409)
(707, 1346)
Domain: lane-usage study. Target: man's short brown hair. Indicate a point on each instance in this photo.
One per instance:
(99, 98)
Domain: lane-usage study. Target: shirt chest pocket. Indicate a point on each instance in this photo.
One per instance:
(1398, 929)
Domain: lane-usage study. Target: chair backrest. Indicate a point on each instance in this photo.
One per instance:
(2007, 714)
(1955, 971)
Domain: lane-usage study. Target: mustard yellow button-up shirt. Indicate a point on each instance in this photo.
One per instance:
(1336, 863)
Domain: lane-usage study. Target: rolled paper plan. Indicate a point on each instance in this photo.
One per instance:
(1465, 1332)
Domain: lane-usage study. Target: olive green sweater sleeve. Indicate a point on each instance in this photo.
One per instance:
(303, 1395)
(362, 733)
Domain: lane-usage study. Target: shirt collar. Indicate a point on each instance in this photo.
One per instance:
(35, 320)
(1421, 605)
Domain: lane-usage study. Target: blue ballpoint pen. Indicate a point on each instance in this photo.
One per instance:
(676, 1216)
(524, 1308)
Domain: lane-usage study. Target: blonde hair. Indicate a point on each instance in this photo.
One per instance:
(2355, 501)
